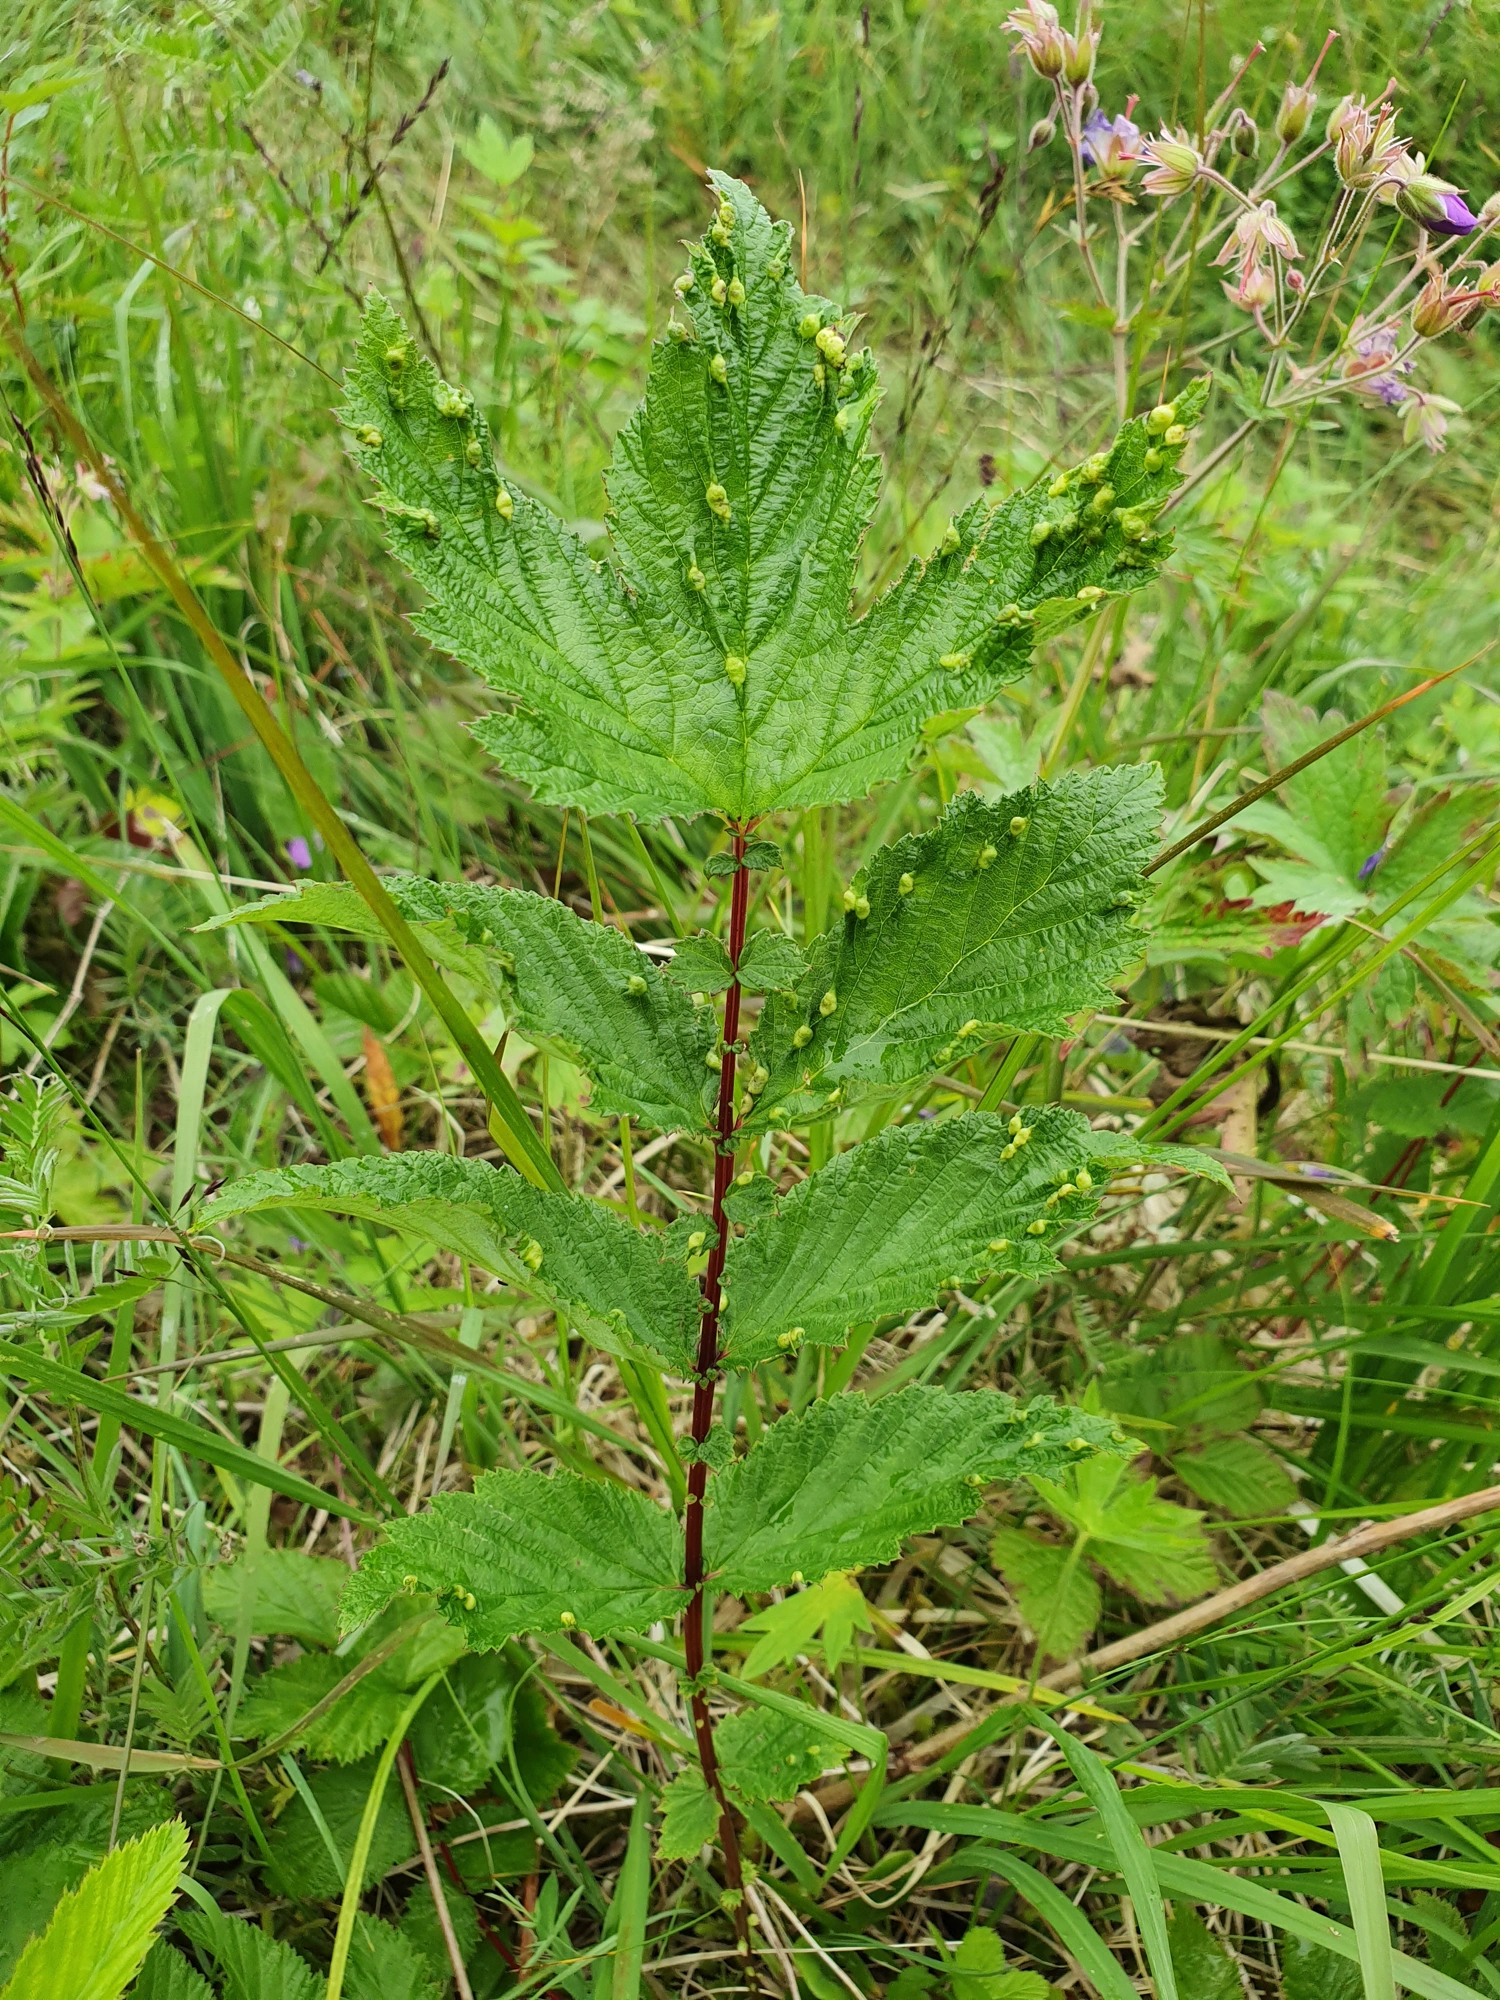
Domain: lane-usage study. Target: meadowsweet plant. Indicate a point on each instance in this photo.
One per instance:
(709, 664)
(1347, 315)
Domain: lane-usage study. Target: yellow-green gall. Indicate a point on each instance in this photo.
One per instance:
(718, 291)
(635, 985)
(567, 1621)
(1093, 469)
(955, 663)
(830, 344)
(759, 1077)
(802, 1037)
(1039, 533)
(744, 1179)
(697, 1240)
(532, 1255)
(1090, 594)
(396, 358)
(1078, 1444)
(998, 1245)
(1037, 1228)
(1103, 500)
(473, 452)
(791, 1337)
(1023, 1136)
(409, 1583)
(683, 284)
(1018, 826)
(720, 234)
(1153, 461)
(446, 401)
(986, 855)
(828, 1003)
(808, 326)
(1016, 1122)
(505, 507)
(905, 886)
(719, 368)
(717, 499)
(820, 374)
(734, 669)
(713, 1060)
(1175, 437)
(968, 1028)
(952, 541)
(736, 293)
(369, 437)
(1059, 486)
(1083, 1180)
(1161, 418)
(696, 577)
(835, 1095)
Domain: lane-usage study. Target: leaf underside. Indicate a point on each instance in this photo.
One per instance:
(610, 1277)
(712, 664)
(535, 1554)
(840, 1486)
(1012, 915)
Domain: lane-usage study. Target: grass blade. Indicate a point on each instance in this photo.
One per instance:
(631, 1903)
(1359, 1850)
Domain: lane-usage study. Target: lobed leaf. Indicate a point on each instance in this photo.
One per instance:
(713, 664)
(1011, 915)
(840, 1486)
(887, 1225)
(621, 1289)
(766, 1755)
(525, 1553)
(690, 1816)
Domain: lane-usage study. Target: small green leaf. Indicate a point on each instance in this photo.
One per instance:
(296, 1595)
(101, 1931)
(612, 1281)
(834, 1607)
(255, 1965)
(840, 1486)
(761, 855)
(767, 1755)
(701, 964)
(499, 159)
(1308, 1972)
(524, 1553)
(384, 1965)
(690, 1816)
(1205, 1970)
(887, 1225)
(1011, 915)
(357, 1724)
(1155, 1549)
(976, 1971)
(420, 1926)
(166, 1975)
(770, 958)
(1237, 1474)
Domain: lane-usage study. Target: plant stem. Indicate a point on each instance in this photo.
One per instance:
(703, 1402)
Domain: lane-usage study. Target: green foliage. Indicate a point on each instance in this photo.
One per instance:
(420, 1926)
(717, 668)
(690, 1816)
(1308, 1972)
(526, 1554)
(1203, 1966)
(252, 1964)
(977, 1970)
(386, 1965)
(843, 1484)
(304, 1867)
(32, 1113)
(1007, 915)
(294, 1593)
(1198, 1402)
(836, 1608)
(768, 1755)
(614, 1282)
(166, 1975)
(101, 1931)
(1148, 1546)
(357, 1724)
(489, 1709)
(886, 1226)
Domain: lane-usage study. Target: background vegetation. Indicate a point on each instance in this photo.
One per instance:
(195, 199)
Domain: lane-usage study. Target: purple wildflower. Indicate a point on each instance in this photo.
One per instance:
(1436, 204)
(298, 852)
(1367, 868)
(1367, 368)
(1109, 142)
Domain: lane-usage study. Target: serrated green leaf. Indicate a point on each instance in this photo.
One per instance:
(840, 1486)
(1055, 1590)
(767, 1755)
(356, 1724)
(887, 1225)
(296, 1595)
(101, 1931)
(973, 927)
(1152, 1547)
(535, 1554)
(482, 1714)
(701, 964)
(384, 1965)
(166, 1975)
(420, 1926)
(770, 958)
(1308, 1972)
(712, 663)
(254, 1965)
(304, 1867)
(610, 1279)
(1205, 1970)
(835, 1607)
(690, 1816)
(977, 1971)
(1237, 1474)
(578, 988)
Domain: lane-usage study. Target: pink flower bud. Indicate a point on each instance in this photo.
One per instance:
(1177, 164)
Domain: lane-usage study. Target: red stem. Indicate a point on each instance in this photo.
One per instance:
(703, 1399)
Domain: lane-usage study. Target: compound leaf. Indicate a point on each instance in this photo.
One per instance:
(1152, 1547)
(255, 1965)
(1011, 915)
(885, 1226)
(712, 664)
(524, 1553)
(767, 1755)
(615, 1284)
(690, 1816)
(1237, 1474)
(578, 988)
(834, 1607)
(840, 1486)
(101, 1931)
